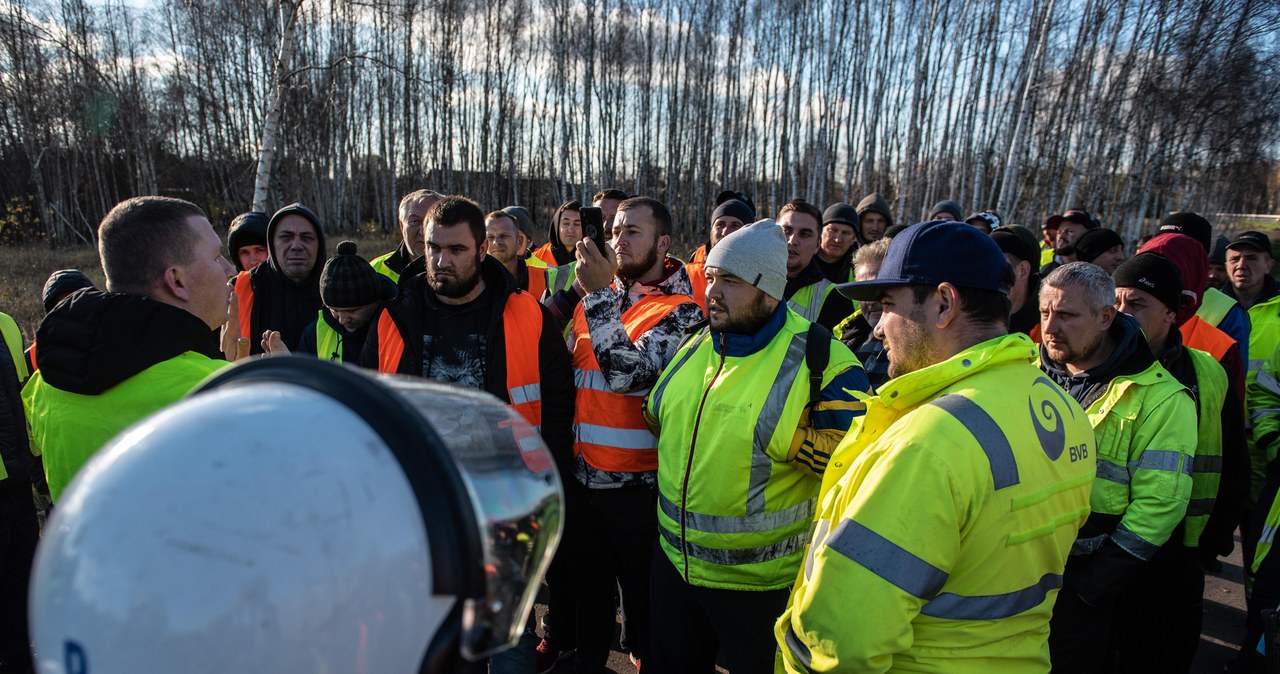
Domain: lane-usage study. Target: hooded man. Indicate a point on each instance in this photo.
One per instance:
(562, 234)
(108, 359)
(875, 218)
(946, 209)
(283, 295)
(247, 240)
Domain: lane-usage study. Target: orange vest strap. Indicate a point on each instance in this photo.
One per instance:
(698, 279)
(537, 281)
(390, 344)
(1199, 334)
(244, 303)
(522, 332)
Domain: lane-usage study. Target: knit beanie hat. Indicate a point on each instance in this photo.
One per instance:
(1093, 243)
(745, 198)
(348, 281)
(945, 206)
(247, 229)
(62, 283)
(757, 254)
(734, 209)
(1218, 255)
(524, 220)
(842, 213)
(1019, 242)
(1188, 258)
(1155, 274)
(1190, 224)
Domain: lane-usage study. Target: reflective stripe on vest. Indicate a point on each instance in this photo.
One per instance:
(609, 428)
(244, 302)
(328, 340)
(1206, 471)
(522, 333)
(808, 300)
(1215, 306)
(13, 340)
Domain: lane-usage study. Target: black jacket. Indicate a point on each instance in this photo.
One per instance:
(352, 342)
(279, 303)
(94, 340)
(413, 307)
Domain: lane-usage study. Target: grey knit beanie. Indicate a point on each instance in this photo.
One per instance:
(756, 254)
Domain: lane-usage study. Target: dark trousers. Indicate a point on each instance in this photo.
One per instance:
(1079, 634)
(692, 625)
(611, 550)
(1158, 615)
(19, 533)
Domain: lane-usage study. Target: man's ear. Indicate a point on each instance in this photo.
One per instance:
(174, 284)
(483, 247)
(1106, 317)
(948, 297)
(664, 244)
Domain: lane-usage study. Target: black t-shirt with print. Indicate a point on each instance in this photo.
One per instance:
(453, 340)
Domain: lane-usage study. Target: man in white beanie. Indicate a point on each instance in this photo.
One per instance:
(748, 412)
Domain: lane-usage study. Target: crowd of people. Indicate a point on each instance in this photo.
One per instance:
(826, 441)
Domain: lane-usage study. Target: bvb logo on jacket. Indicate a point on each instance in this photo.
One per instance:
(1052, 439)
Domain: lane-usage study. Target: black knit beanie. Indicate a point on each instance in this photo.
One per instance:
(1095, 242)
(1192, 225)
(735, 209)
(1153, 273)
(348, 281)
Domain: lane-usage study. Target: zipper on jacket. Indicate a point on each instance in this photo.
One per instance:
(688, 468)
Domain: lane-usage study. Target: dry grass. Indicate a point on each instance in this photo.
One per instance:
(24, 269)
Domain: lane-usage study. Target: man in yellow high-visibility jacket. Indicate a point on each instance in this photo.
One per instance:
(944, 522)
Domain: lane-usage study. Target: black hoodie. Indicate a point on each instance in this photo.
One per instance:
(279, 303)
(94, 340)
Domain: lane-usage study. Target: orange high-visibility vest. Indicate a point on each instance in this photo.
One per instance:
(537, 280)
(699, 256)
(544, 253)
(244, 300)
(522, 331)
(609, 428)
(697, 271)
(1198, 333)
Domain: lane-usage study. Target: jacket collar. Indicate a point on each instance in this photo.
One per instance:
(915, 388)
(740, 346)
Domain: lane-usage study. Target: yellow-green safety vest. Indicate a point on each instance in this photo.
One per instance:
(1206, 471)
(69, 428)
(808, 300)
(732, 512)
(1145, 425)
(1214, 306)
(13, 340)
(945, 523)
(379, 265)
(328, 340)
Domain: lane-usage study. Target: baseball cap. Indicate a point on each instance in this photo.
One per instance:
(1076, 216)
(1255, 240)
(935, 252)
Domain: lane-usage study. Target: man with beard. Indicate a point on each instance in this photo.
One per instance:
(461, 319)
(1068, 228)
(808, 292)
(873, 212)
(413, 207)
(1145, 424)
(749, 409)
(636, 308)
(946, 516)
(283, 294)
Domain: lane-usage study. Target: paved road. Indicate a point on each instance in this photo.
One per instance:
(1219, 637)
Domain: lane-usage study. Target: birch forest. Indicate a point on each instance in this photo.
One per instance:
(1129, 108)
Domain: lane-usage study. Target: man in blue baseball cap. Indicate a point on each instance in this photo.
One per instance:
(915, 517)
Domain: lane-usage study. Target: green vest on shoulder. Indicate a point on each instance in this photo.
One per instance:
(1211, 382)
(69, 428)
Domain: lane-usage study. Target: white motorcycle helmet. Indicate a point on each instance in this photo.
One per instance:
(294, 516)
